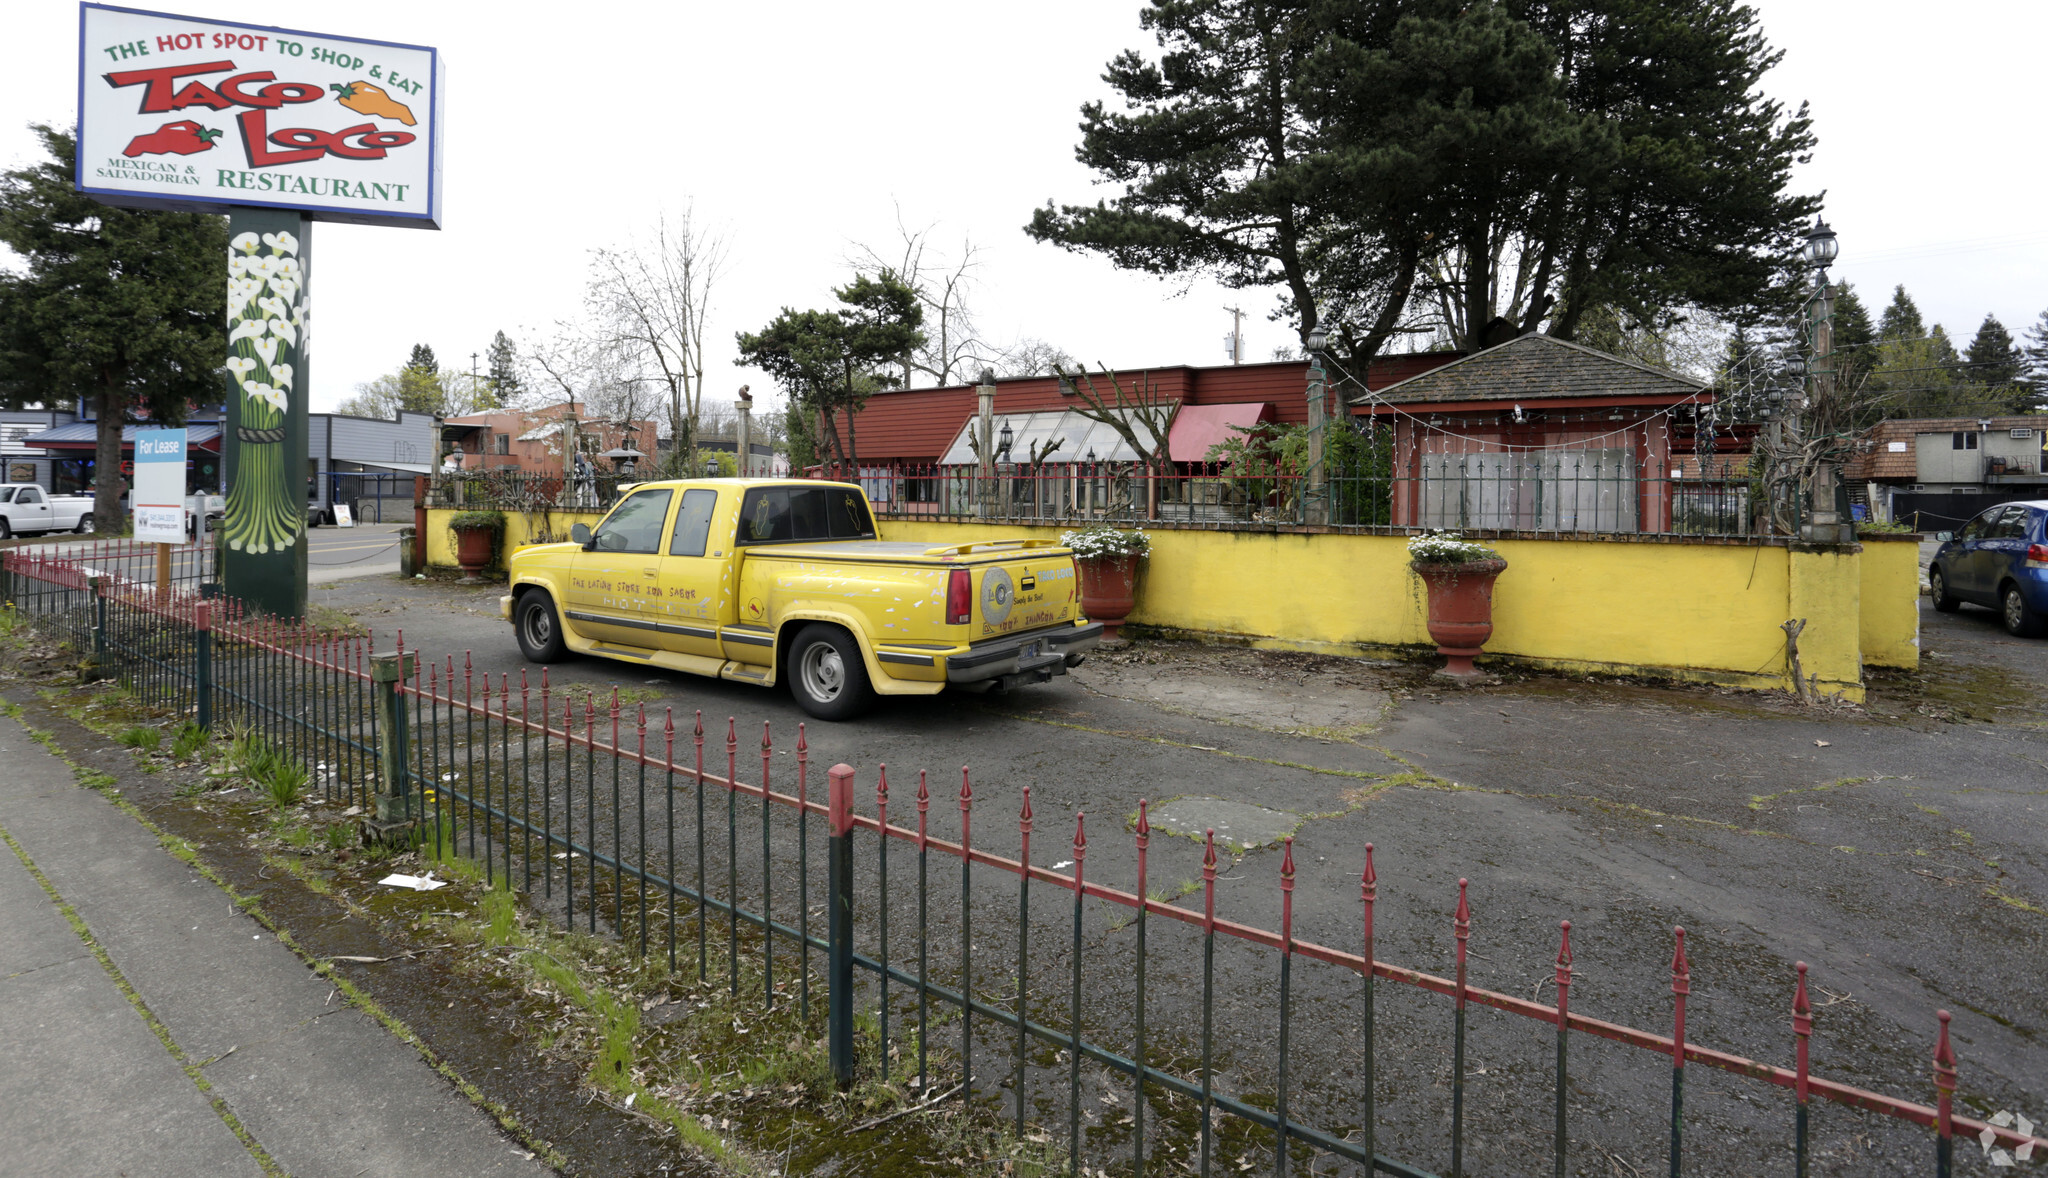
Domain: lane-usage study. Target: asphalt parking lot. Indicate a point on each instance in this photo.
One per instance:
(1900, 848)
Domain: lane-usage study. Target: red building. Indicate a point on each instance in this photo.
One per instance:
(1543, 434)
(920, 426)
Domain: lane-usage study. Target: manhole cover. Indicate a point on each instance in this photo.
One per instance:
(1235, 823)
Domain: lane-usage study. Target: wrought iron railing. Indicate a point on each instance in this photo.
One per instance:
(1239, 1044)
(1548, 492)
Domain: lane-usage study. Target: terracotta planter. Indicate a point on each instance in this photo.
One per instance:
(474, 549)
(1109, 587)
(1460, 611)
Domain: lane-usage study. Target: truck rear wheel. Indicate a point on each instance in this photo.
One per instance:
(827, 675)
(539, 630)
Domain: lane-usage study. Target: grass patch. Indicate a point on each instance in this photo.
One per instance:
(142, 738)
(190, 738)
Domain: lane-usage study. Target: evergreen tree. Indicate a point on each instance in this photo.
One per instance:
(505, 384)
(2037, 355)
(423, 361)
(1901, 318)
(121, 309)
(1992, 358)
(830, 362)
(1854, 354)
(1355, 154)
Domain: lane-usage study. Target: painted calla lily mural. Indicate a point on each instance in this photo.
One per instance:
(266, 332)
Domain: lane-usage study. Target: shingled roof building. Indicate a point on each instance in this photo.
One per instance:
(1543, 434)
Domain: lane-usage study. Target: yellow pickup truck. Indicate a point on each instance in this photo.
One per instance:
(767, 580)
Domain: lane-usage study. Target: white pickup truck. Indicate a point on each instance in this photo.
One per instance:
(27, 509)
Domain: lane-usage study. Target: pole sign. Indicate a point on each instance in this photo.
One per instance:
(159, 489)
(178, 112)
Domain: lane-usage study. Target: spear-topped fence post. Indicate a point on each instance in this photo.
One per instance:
(839, 926)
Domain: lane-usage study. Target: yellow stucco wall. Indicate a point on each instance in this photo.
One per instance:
(1891, 601)
(441, 543)
(1703, 611)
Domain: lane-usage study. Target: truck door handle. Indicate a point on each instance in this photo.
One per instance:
(650, 572)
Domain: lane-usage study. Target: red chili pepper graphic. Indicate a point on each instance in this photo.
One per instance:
(183, 137)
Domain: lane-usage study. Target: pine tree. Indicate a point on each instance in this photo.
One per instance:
(423, 361)
(504, 379)
(1362, 156)
(1994, 360)
(124, 310)
(1902, 318)
(1854, 354)
(2037, 355)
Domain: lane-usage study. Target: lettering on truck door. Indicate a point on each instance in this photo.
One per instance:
(614, 588)
(694, 593)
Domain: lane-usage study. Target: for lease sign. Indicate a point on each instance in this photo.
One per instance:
(160, 485)
(185, 113)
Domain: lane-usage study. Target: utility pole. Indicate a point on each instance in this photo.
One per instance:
(473, 379)
(1236, 340)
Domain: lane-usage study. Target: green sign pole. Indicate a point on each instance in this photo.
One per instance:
(263, 558)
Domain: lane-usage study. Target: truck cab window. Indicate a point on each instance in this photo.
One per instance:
(30, 495)
(693, 523)
(635, 525)
(782, 515)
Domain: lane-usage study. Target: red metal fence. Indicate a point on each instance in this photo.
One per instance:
(606, 808)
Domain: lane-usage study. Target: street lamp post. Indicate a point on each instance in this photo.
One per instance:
(1314, 500)
(1825, 524)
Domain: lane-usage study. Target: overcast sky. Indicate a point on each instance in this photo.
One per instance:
(800, 129)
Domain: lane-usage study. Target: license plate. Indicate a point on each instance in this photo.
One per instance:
(1028, 651)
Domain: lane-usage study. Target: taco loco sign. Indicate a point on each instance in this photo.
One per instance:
(186, 113)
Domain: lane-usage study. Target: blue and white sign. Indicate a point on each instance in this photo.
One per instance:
(159, 491)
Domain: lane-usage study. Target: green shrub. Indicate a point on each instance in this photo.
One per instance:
(284, 782)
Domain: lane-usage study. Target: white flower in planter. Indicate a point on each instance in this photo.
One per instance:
(1104, 541)
(1447, 548)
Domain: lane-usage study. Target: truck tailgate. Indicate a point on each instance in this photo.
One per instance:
(1026, 592)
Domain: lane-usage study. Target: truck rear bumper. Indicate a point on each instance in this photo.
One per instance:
(1038, 655)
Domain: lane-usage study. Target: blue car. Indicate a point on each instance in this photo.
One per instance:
(2000, 560)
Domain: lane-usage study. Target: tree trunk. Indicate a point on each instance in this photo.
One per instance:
(108, 482)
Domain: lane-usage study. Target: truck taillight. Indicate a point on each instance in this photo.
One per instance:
(2037, 556)
(959, 598)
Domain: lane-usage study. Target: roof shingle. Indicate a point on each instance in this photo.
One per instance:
(1537, 368)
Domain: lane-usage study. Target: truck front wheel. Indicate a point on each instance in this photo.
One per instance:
(540, 631)
(827, 675)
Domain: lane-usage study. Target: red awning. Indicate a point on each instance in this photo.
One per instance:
(1196, 428)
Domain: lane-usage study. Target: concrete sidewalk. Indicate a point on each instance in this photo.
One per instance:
(238, 1033)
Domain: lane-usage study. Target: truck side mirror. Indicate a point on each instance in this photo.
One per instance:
(580, 533)
(1944, 537)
